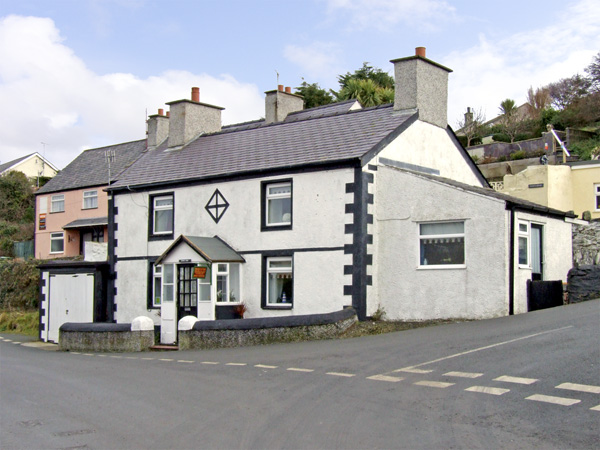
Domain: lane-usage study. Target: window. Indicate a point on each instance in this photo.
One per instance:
(90, 199)
(597, 192)
(57, 203)
(442, 244)
(228, 283)
(168, 282)
(277, 205)
(156, 286)
(523, 244)
(162, 215)
(280, 282)
(57, 242)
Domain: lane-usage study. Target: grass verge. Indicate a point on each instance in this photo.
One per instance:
(20, 322)
(372, 327)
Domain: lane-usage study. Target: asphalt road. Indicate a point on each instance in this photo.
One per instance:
(531, 380)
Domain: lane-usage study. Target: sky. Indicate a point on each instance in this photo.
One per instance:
(79, 74)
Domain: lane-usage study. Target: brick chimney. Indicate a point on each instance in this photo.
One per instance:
(189, 118)
(158, 129)
(422, 84)
(279, 103)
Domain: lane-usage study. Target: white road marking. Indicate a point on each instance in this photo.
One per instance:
(456, 355)
(487, 390)
(147, 359)
(75, 353)
(102, 356)
(340, 374)
(463, 374)
(184, 361)
(555, 400)
(263, 366)
(166, 359)
(116, 357)
(435, 384)
(88, 354)
(297, 369)
(517, 380)
(385, 378)
(413, 370)
(7, 340)
(596, 408)
(209, 362)
(16, 342)
(131, 357)
(236, 364)
(579, 387)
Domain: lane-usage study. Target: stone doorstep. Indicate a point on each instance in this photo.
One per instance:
(164, 348)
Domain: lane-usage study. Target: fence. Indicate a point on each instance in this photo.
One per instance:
(23, 250)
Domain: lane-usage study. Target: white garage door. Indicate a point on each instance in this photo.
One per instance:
(70, 299)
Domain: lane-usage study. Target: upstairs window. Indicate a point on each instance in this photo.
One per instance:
(161, 217)
(442, 244)
(90, 199)
(277, 205)
(57, 203)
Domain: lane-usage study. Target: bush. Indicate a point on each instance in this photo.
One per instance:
(519, 154)
(586, 149)
(19, 284)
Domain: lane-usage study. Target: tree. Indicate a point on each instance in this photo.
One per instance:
(313, 95)
(370, 86)
(593, 71)
(566, 92)
(367, 72)
(511, 122)
(537, 102)
(472, 124)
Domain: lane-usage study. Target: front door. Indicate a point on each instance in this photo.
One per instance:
(537, 257)
(187, 291)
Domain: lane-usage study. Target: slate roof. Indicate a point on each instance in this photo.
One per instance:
(212, 249)
(90, 167)
(6, 165)
(83, 223)
(337, 137)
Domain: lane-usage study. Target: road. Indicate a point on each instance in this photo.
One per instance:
(531, 380)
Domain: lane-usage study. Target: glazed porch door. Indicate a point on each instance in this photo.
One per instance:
(187, 291)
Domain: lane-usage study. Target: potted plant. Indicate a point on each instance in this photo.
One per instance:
(239, 310)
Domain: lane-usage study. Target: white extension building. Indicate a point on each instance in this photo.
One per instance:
(309, 211)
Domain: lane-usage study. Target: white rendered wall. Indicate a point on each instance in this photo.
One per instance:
(430, 146)
(319, 200)
(557, 250)
(402, 201)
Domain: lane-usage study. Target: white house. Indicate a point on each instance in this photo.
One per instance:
(308, 211)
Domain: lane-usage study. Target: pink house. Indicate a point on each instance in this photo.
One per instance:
(72, 208)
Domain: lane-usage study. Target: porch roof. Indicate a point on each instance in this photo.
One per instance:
(85, 223)
(212, 249)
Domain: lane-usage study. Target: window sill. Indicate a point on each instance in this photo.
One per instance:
(442, 267)
(160, 237)
(283, 307)
(56, 253)
(91, 207)
(57, 212)
(276, 227)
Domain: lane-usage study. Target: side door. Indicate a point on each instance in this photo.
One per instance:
(187, 291)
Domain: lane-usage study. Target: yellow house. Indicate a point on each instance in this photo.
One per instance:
(33, 165)
(573, 186)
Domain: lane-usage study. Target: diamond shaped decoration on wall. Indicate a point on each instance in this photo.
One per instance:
(216, 206)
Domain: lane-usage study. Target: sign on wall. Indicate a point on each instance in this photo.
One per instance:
(42, 224)
(201, 272)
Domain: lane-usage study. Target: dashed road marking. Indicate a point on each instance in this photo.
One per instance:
(596, 408)
(185, 361)
(210, 362)
(147, 359)
(236, 364)
(579, 387)
(116, 356)
(413, 370)
(385, 378)
(463, 374)
(340, 374)
(487, 390)
(15, 342)
(517, 380)
(298, 369)
(555, 400)
(88, 354)
(263, 366)
(7, 340)
(435, 384)
(166, 359)
(131, 357)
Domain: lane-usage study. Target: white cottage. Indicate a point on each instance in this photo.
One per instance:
(309, 211)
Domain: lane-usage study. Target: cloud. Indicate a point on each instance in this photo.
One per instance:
(317, 60)
(492, 71)
(383, 15)
(50, 96)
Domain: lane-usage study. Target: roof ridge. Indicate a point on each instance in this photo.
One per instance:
(113, 145)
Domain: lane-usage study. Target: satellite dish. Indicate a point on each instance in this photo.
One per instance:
(544, 160)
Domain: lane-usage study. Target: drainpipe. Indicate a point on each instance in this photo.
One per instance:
(511, 263)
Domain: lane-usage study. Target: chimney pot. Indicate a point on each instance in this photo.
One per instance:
(288, 90)
(161, 112)
(196, 94)
(420, 51)
(168, 113)
(280, 87)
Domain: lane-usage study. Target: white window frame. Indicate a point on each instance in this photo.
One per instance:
(597, 196)
(162, 208)
(523, 235)
(54, 237)
(269, 197)
(156, 275)
(441, 236)
(91, 196)
(57, 200)
(224, 270)
(279, 270)
(168, 287)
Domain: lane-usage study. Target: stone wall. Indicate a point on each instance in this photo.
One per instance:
(239, 333)
(103, 337)
(586, 244)
(583, 283)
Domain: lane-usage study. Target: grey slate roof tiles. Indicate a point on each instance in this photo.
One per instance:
(325, 139)
(90, 167)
